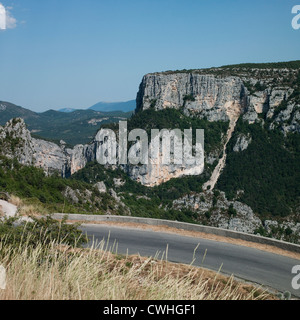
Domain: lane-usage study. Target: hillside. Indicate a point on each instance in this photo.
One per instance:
(10, 110)
(77, 127)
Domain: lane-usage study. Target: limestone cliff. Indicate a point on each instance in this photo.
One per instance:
(209, 96)
(219, 94)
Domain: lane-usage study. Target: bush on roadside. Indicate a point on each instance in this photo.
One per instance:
(40, 231)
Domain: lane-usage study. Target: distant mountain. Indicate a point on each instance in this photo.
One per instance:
(107, 107)
(76, 127)
(114, 106)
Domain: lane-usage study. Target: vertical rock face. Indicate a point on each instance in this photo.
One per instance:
(266, 101)
(15, 140)
(48, 156)
(154, 174)
(79, 156)
(216, 98)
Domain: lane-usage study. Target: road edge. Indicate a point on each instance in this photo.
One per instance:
(183, 226)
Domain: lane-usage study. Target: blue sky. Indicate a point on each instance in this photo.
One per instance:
(75, 53)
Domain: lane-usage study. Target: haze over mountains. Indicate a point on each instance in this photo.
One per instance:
(114, 106)
(108, 107)
(71, 125)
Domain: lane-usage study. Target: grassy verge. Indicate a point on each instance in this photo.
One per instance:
(40, 265)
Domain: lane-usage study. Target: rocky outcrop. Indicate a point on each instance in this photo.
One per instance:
(101, 187)
(215, 210)
(17, 142)
(242, 142)
(278, 230)
(268, 100)
(272, 98)
(119, 205)
(288, 119)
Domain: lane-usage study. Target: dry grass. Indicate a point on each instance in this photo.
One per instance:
(57, 272)
(27, 209)
(16, 201)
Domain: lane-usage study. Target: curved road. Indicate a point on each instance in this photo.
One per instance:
(247, 263)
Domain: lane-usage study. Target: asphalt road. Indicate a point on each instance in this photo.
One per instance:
(247, 263)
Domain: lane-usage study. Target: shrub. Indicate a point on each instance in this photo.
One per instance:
(43, 230)
(232, 211)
